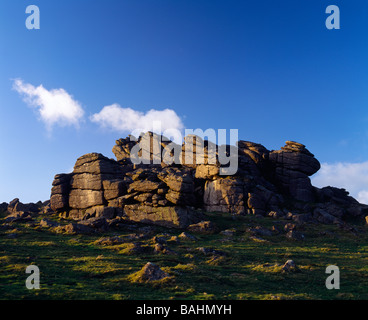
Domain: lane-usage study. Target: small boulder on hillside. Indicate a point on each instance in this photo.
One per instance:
(290, 266)
(186, 236)
(150, 272)
(295, 235)
(204, 227)
(47, 223)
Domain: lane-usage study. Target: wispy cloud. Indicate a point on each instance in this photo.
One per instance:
(129, 120)
(351, 176)
(55, 106)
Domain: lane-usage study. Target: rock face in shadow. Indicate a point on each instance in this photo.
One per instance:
(293, 165)
(156, 181)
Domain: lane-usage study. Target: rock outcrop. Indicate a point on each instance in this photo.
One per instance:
(293, 165)
(160, 182)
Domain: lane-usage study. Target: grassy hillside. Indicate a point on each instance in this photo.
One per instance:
(243, 266)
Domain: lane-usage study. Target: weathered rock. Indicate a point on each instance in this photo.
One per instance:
(150, 272)
(100, 212)
(162, 249)
(162, 239)
(86, 181)
(207, 172)
(256, 202)
(292, 166)
(96, 163)
(17, 206)
(59, 202)
(290, 266)
(114, 188)
(187, 236)
(82, 199)
(135, 248)
(228, 232)
(323, 216)
(95, 222)
(3, 206)
(211, 252)
(275, 214)
(74, 228)
(46, 208)
(179, 198)
(84, 187)
(164, 193)
(19, 216)
(177, 180)
(47, 223)
(172, 217)
(109, 241)
(259, 230)
(253, 157)
(258, 239)
(203, 227)
(144, 186)
(295, 235)
(122, 149)
(302, 218)
(224, 195)
(197, 151)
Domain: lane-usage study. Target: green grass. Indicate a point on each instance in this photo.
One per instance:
(77, 267)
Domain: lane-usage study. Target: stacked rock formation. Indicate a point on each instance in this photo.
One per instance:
(293, 165)
(162, 183)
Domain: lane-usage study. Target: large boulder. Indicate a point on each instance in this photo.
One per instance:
(92, 177)
(171, 217)
(293, 165)
(59, 200)
(150, 272)
(224, 195)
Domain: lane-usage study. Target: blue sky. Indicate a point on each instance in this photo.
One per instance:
(270, 69)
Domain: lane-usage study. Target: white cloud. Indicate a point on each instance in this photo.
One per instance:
(129, 120)
(351, 176)
(363, 196)
(55, 107)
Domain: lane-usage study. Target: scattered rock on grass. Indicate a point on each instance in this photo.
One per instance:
(19, 216)
(187, 236)
(290, 266)
(295, 235)
(95, 222)
(109, 241)
(203, 227)
(229, 232)
(160, 248)
(258, 239)
(210, 251)
(74, 228)
(47, 223)
(150, 272)
(259, 231)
